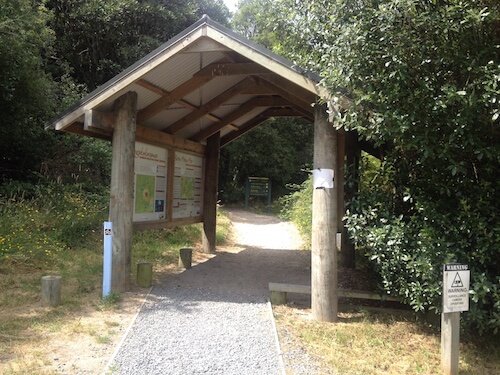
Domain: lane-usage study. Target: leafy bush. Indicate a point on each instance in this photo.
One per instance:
(297, 207)
(409, 250)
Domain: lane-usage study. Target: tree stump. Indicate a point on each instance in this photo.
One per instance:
(185, 258)
(51, 291)
(144, 275)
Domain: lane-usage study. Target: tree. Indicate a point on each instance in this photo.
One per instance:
(423, 77)
(26, 91)
(98, 39)
(280, 149)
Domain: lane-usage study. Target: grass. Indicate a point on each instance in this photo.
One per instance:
(62, 235)
(378, 343)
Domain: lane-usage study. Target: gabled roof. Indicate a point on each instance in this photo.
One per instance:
(204, 80)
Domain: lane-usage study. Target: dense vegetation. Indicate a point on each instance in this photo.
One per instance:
(424, 79)
(423, 76)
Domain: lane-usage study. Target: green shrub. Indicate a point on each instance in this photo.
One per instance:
(297, 207)
(47, 222)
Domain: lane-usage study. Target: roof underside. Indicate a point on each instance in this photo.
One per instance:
(205, 80)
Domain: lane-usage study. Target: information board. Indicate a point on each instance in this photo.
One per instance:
(150, 182)
(456, 278)
(188, 185)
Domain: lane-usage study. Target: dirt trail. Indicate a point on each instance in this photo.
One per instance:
(263, 231)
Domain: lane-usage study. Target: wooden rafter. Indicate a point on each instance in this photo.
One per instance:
(148, 85)
(249, 125)
(241, 111)
(174, 96)
(289, 91)
(211, 105)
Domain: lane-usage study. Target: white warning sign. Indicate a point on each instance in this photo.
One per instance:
(456, 278)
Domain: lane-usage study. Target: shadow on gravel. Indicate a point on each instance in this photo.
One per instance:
(236, 277)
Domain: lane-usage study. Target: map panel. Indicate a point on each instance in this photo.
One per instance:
(150, 187)
(188, 186)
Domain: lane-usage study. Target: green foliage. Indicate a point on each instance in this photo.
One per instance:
(49, 222)
(423, 77)
(297, 207)
(99, 39)
(278, 149)
(26, 91)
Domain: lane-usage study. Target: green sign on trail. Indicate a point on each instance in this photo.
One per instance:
(259, 187)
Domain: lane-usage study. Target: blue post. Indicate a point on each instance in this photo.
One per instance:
(107, 258)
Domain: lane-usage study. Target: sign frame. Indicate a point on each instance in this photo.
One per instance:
(456, 282)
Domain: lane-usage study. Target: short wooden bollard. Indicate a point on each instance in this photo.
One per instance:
(51, 291)
(144, 275)
(185, 258)
(278, 298)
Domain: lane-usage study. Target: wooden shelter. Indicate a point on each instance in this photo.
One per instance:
(199, 91)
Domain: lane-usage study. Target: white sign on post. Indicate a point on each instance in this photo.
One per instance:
(107, 258)
(456, 279)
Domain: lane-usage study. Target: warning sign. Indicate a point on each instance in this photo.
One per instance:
(456, 279)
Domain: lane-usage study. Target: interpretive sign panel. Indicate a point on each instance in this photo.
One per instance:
(456, 279)
(150, 185)
(188, 185)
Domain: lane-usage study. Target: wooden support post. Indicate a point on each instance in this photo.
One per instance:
(144, 275)
(324, 298)
(339, 179)
(122, 189)
(352, 156)
(210, 193)
(450, 339)
(51, 291)
(185, 258)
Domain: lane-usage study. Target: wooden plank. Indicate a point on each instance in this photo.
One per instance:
(160, 224)
(343, 293)
(163, 139)
(324, 296)
(121, 191)
(210, 105)
(210, 194)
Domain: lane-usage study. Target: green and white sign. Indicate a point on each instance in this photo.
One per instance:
(150, 185)
(188, 185)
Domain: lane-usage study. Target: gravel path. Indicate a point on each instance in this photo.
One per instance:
(215, 318)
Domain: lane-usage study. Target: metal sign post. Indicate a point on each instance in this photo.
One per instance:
(107, 258)
(456, 279)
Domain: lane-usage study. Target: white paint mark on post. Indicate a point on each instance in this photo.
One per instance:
(107, 258)
(323, 178)
(456, 278)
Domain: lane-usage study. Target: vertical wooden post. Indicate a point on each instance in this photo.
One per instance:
(324, 296)
(450, 339)
(210, 193)
(352, 154)
(122, 189)
(339, 179)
